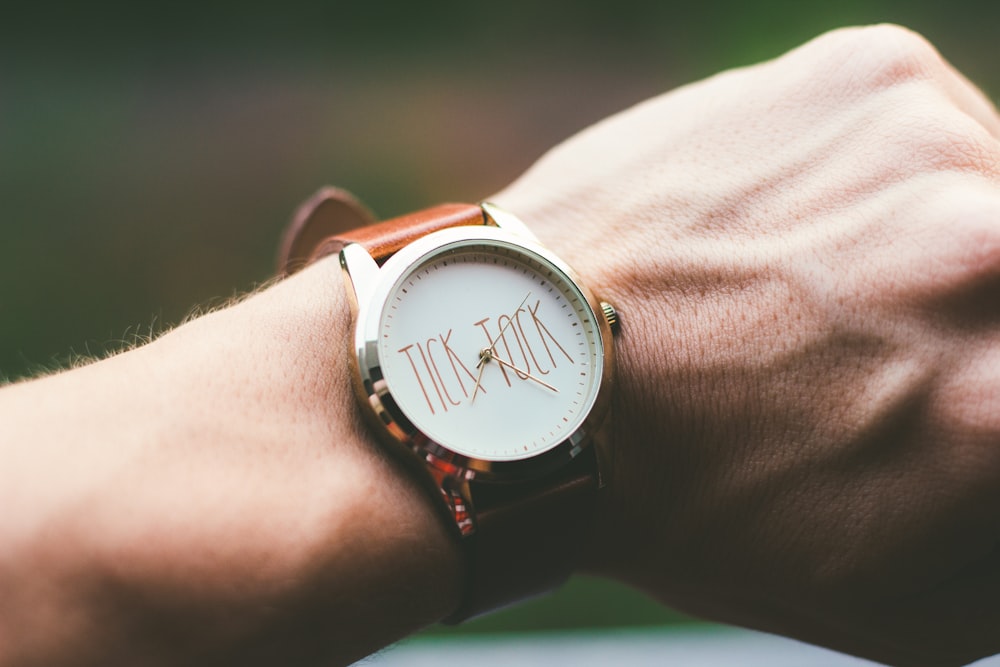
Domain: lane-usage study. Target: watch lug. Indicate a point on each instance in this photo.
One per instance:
(508, 221)
(360, 273)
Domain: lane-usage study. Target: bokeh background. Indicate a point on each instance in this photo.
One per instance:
(150, 154)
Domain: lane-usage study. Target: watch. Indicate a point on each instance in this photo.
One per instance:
(486, 365)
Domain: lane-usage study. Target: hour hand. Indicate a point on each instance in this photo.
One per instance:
(524, 373)
(484, 356)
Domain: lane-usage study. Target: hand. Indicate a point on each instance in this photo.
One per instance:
(479, 377)
(806, 258)
(520, 372)
(488, 353)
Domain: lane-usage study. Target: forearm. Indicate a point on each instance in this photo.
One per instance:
(212, 497)
(804, 258)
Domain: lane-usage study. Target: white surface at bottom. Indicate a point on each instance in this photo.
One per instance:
(633, 648)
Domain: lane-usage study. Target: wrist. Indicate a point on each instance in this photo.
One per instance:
(346, 530)
(568, 228)
(237, 490)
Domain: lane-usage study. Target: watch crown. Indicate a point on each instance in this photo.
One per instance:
(610, 314)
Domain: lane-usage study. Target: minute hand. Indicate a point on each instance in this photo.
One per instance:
(510, 320)
(524, 373)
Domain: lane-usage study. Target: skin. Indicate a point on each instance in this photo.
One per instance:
(211, 499)
(806, 259)
(805, 256)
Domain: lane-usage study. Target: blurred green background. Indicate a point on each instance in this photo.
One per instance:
(150, 155)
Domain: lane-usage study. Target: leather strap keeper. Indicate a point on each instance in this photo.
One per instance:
(329, 212)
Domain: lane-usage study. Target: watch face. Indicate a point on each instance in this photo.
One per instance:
(489, 350)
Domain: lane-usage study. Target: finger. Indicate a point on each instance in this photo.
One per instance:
(946, 262)
(970, 99)
(967, 409)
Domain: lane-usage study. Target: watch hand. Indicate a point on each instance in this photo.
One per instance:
(524, 373)
(510, 320)
(483, 358)
(487, 352)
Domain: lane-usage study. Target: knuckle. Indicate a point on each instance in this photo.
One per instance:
(947, 258)
(935, 135)
(879, 56)
(974, 224)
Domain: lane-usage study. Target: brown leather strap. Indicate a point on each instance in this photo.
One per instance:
(528, 536)
(386, 238)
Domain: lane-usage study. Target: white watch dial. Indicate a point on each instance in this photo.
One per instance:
(490, 350)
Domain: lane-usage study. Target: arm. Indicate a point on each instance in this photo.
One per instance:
(805, 258)
(211, 499)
